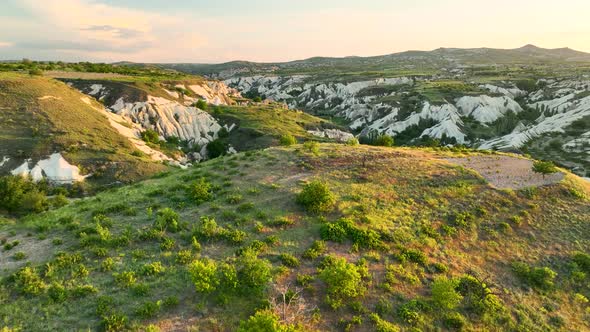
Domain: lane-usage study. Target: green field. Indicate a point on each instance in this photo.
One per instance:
(427, 245)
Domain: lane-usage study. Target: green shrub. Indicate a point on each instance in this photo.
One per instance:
(413, 255)
(200, 191)
(346, 229)
(544, 167)
(114, 322)
(382, 325)
(352, 141)
(152, 269)
(216, 148)
(150, 136)
(234, 199)
(140, 289)
(203, 274)
(208, 229)
(184, 257)
(104, 305)
(57, 292)
(343, 280)
(312, 147)
(8, 246)
(454, 321)
(167, 220)
(201, 104)
(478, 297)
(537, 277)
(253, 273)
(316, 197)
(34, 201)
(265, 321)
(35, 72)
(316, 249)
(383, 140)
(29, 282)
(245, 207)
(444, 293)
(83, 290)
(59, 200)
(107, 264)
(287, 140)
(167, 243)
(582, 260)
(126, 279)
(289, 260)
(19, 256)
(411, 312)
(281, 222)
(148, 309)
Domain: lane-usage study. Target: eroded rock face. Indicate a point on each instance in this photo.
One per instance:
(172, 116)
(335, 134)
(558, 104)
(170, 119)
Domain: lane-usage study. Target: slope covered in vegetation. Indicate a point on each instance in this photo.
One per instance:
(310, 237)
(40, 116)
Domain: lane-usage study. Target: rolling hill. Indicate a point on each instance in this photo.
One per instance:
(311, 237)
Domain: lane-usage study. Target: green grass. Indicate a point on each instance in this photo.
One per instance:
(426, 218)
(260, 126)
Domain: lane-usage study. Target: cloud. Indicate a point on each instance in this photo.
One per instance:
(118, 32)
(97, 31)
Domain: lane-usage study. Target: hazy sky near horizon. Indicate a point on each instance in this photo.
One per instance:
(265, 30)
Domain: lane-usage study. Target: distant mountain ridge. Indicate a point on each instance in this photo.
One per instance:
(436, 58)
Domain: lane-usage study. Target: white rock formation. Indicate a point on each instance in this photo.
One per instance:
(170, 118)
(55, 168)
(335, 134)
(486, 109)
(555, 123)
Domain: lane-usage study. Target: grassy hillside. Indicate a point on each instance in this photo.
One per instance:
(261, 125)
(39, 116)
(327, 237)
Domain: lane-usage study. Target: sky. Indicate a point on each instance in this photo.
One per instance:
(214, 31)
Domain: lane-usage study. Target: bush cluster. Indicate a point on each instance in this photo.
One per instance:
(287, 140)
(344, 281)
(536, 277)
(246, 274)
(345, 229)
(316, 197)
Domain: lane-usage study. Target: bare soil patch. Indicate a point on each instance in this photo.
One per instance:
(506, 172)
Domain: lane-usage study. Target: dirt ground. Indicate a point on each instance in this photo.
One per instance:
(35, 249)
(506, 172)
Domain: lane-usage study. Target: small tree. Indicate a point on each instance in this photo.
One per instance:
(201, 191)
(287, 140)
(204, 275)
(316, 197)
(383, 140)
(544, 167)
(216, 148)
(444, 293)
(344, 281)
